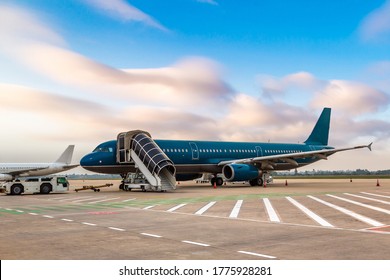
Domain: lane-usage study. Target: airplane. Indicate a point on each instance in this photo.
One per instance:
(11, 171)
(236, 161)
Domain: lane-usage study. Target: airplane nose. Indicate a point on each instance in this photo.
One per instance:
(87, 160)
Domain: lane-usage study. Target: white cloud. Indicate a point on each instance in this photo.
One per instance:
(376, 24)
(120, 9)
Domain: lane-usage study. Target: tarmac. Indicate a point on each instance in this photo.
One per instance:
(323, 219)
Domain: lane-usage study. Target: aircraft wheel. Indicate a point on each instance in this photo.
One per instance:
(253, 182)
(98, 190)
(219, 181)
(260, 181)
(212, 181)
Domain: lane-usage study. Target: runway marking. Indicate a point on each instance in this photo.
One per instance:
(118, 229)
(46, 216)
(86, 199)
(308, 212)
(67, 220)
(148, 207)
(35, 214)
(386, 196)
(129, 199)
(361, 204)
(20, 211)
(93, 202)
(368, 198)
(88, 224)
(349, 213)
(257, 255)
(57, 198)
(205, 208)
(73, 198)
(176, 207)
(196, 243)
(8, 209)
(273, 216)
(151, 235)
(236, 209)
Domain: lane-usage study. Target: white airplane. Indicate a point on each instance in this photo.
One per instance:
(10, 171)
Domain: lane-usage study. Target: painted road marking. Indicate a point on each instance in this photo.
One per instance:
(86, 199)
(386, 196)
(361, 204)
(349, 213)
(46, 216)
(273, 216)
(151, 235)
(257, 255)
(129, 199)
(118, 229)
(73, 198)
(67, 220)
(20, 211)
(205, 208)
(88, 224)
(35, 214)
(236, 209)
(176, 207)
(368, 198)
(308, 212)
(148, 207)
(93, 202)
(196, 243)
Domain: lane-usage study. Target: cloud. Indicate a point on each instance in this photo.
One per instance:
(351, 98)
(212, 2)
(186, 82)
(376, 24)
(120, 9)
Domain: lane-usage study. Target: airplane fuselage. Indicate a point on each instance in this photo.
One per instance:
(191, 157)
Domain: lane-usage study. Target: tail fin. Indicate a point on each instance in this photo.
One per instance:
(66, 156)
(320, 133)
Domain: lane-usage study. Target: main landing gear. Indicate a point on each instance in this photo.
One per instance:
(217, 180)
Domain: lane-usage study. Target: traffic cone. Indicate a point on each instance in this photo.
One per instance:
(286, 184)
(265, 183)
(377, 183)
(215, 185)
(350, 180)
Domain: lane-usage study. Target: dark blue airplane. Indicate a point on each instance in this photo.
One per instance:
(237, 161)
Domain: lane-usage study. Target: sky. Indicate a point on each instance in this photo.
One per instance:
(82, 71)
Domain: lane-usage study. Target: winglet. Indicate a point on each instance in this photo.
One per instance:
(369, 146)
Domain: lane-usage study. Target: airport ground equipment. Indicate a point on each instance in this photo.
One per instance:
(138, 147)
(43, 185)
(94, 188)
(136, 181)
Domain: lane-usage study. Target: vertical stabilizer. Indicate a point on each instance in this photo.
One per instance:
(320, 133)
(66, 156)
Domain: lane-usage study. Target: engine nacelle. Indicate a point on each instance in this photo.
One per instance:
(5, 177)
(240, 172)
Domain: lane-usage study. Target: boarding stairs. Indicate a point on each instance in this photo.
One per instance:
(139, 148)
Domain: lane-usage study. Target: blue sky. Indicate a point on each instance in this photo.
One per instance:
(80, 72)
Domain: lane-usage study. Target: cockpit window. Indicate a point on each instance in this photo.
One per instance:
(103, 149)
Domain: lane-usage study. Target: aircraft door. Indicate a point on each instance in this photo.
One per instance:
(195, 151)
(259, 151)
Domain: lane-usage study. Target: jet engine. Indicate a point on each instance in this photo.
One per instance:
(240, 172)
(5, 177)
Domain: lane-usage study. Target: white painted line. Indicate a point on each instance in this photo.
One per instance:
(273, 217)
(236, 209)
(129, 200)
(151, 235)
(349, 213)
(8, 209)
(118, 229)
(257, 255)
(20, 211)
(78, 197)
(88, 224)
(57, 198)
(46, 216)
(361, 204)
(35, 214)
(103, 200)
(86, 199)
(385, 196)
(308, 212)
(205, 208)
(67, 220)
(195, 243)
(176, 207)
(369, 198)
(148, 207)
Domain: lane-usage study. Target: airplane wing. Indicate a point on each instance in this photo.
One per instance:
(269, 161)
(21, 171)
